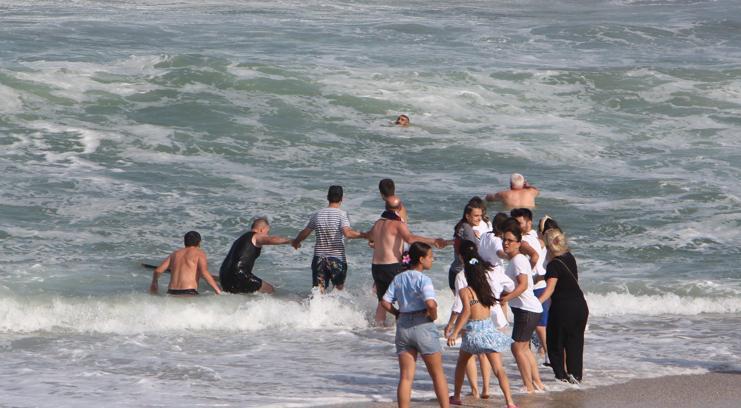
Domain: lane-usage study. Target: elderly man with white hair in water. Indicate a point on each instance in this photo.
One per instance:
(520, 194)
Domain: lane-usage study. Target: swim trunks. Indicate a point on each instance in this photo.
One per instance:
(383, 275)
(182, 292)
(325, 269)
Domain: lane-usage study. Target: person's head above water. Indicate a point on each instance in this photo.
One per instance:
(192, 238)
(387, 188)
(261, 225)
(402, 120)
(516, 181)
(334, 195)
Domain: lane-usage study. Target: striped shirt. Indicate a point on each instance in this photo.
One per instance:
(328, 224)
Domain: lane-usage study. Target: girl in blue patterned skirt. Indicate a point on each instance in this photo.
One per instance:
(479, 334)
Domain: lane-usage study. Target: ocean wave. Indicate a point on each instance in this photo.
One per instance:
(615, 304)
(134, 314)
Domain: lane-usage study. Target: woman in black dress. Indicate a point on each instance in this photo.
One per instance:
(569, 311)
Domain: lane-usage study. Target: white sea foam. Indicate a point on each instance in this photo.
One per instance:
(138, 314)
(615, 304)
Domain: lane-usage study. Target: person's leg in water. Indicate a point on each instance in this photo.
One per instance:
(380, 318)
(407, 365)
(434, 363)
(463, 367)
(543, 349)
(534, 372)
(485, 375)
(498, 368)
(520, 350)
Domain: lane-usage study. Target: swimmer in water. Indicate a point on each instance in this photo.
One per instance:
(187, 265)
(402, 121)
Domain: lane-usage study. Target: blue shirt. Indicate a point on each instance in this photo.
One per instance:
(410, 289)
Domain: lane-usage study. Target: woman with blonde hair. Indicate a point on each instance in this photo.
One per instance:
(569, 310)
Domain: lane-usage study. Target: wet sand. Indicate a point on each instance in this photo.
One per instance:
(721, 390)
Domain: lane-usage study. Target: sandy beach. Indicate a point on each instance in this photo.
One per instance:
(708, 390)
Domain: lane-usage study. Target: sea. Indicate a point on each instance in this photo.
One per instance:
(125, 124)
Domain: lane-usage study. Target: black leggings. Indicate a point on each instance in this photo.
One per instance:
(565, 332)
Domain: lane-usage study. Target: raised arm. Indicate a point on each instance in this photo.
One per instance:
(410, 238)
(154, 287)
(296, 243)
(205, 274)
(271, 240)
(350, 233)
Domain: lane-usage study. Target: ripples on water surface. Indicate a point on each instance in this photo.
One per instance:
(122, 125)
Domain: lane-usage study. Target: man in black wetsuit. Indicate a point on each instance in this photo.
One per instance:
(236, 270)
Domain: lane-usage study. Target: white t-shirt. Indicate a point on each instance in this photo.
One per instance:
(488, 247)
(520, 265)
(532, 239)
(482, 228)
(498, 282)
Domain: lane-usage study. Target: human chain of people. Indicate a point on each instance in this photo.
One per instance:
(501, 265)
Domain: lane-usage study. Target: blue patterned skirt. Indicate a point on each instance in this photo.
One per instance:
(481, 337)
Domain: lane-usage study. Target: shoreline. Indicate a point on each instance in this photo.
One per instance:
(713, 389)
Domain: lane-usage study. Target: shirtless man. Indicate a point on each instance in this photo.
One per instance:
(187, 265)
(236, 270)
(388, 237)
(387, 188)
(520, 194)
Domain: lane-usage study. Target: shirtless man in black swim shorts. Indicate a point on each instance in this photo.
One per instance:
(236, 270)
(187, 265)
(389, 235)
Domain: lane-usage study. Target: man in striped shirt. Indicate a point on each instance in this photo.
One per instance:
(332, 226)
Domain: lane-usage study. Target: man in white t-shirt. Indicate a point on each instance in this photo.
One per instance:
(524, 218)
(331, 226)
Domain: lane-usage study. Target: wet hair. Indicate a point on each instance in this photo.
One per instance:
(416, 251)
(511, 225)
(517, 180)
(475, 270)
(387, 187)
(555, 241)
(546, 223)
(499, 220)
(397, 121)
(521, 212)
(466, 210)
(334, 195)
(478, 202)
(260, 222)
(192, 238)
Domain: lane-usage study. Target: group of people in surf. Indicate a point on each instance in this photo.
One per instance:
(500, 264)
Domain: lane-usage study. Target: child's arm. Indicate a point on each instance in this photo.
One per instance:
(390, 308)
(463, 318)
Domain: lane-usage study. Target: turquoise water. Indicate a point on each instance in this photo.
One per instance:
(123, 125)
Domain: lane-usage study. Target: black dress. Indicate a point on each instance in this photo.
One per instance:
(568, 318)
